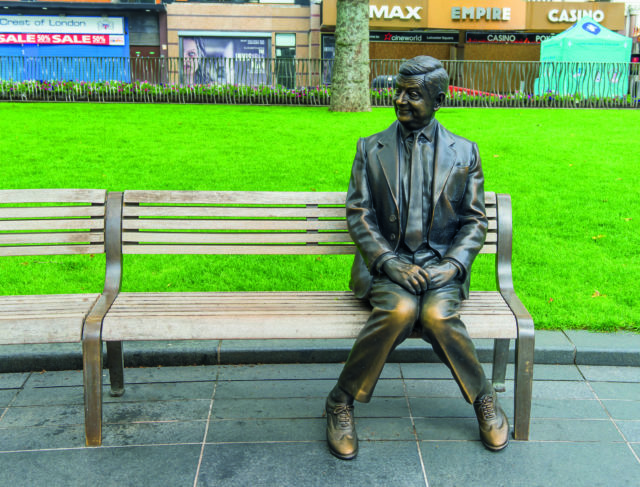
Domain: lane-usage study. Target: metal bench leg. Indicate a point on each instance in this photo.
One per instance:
(524, 382)
(500, 358)
(92, 328)
(92, 370)
(115, 362)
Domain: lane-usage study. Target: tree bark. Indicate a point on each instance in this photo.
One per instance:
(350, 75)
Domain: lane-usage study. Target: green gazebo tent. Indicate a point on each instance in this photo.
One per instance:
(586, 59)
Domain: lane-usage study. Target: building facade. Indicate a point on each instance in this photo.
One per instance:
(193, 41)
(94, 28)
(505, 30)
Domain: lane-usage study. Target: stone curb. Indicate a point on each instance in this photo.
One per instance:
(552, 347)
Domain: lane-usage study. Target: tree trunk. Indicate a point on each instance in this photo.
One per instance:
(350, 77)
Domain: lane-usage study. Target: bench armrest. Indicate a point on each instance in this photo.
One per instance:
(504, 274)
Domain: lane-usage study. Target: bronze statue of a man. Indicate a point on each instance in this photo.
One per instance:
(415, 209)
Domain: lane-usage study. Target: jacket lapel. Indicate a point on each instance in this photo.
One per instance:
(388, 159)
(445, 157)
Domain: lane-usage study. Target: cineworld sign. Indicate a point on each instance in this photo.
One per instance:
(434, 37)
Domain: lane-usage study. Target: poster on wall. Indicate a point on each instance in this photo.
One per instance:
(225, 60)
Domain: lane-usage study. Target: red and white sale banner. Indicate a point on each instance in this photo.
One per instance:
(77, 39)
(54, 24)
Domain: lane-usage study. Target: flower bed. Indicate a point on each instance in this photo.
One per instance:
(145, 92)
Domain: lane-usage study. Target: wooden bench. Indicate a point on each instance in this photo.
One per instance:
(49, 222)
(175, 222)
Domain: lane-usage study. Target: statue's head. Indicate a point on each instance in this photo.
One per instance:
(421, 88)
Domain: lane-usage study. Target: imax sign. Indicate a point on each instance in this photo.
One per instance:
(395, 12)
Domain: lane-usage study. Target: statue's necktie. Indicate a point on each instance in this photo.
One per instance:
(413, 230)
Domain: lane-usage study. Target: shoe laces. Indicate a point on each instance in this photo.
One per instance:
(344, 414)
(487, 407)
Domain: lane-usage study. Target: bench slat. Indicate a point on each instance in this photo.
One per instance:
(240, 249)
(234, 212)
(46, 329)
(50, 238)
(35, 298)
(246, 197)
(478, 299)
(241, 312)
(234, 238)
(51, 211)
(276, 327)
(52, 196)
(226, 295)
(52, 250)
(74, 224)
(249, 249)
(166, 224)
(489, 249)
(235, 197)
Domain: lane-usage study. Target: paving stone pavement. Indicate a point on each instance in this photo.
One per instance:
(263, 425)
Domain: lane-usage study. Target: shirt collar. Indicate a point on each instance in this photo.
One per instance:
(428, 131)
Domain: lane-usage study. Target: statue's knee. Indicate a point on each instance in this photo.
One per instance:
(405, 313)
(434, 320)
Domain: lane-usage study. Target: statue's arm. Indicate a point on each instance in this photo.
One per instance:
(472, 229)
(361, 215)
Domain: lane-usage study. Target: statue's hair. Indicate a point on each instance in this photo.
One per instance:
(436, 79)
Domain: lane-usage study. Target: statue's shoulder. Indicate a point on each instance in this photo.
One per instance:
(383, 136)
(454, 138)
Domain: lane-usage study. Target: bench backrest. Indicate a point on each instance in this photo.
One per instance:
(219, 222)
(52, 221)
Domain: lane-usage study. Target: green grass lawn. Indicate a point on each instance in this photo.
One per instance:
(573, 175)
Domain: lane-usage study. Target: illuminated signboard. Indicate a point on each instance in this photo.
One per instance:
(432, 37)
(507, 37)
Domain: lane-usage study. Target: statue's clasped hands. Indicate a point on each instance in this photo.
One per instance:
(417, 280)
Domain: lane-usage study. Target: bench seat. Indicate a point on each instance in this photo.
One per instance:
(52, 318)
(271, 315)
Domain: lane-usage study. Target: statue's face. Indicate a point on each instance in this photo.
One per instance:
(413, 103)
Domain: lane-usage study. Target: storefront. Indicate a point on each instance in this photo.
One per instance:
(50, 34)
(206, 35)
(472, 29)
(398, 30)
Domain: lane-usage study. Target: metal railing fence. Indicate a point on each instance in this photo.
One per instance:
(308, 81)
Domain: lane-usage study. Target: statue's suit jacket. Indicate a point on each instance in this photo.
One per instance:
(457, 224)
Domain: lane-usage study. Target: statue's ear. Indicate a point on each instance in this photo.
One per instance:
(438, 101)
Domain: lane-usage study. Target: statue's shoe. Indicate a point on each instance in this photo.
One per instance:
(341, 430)
(493, 423)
